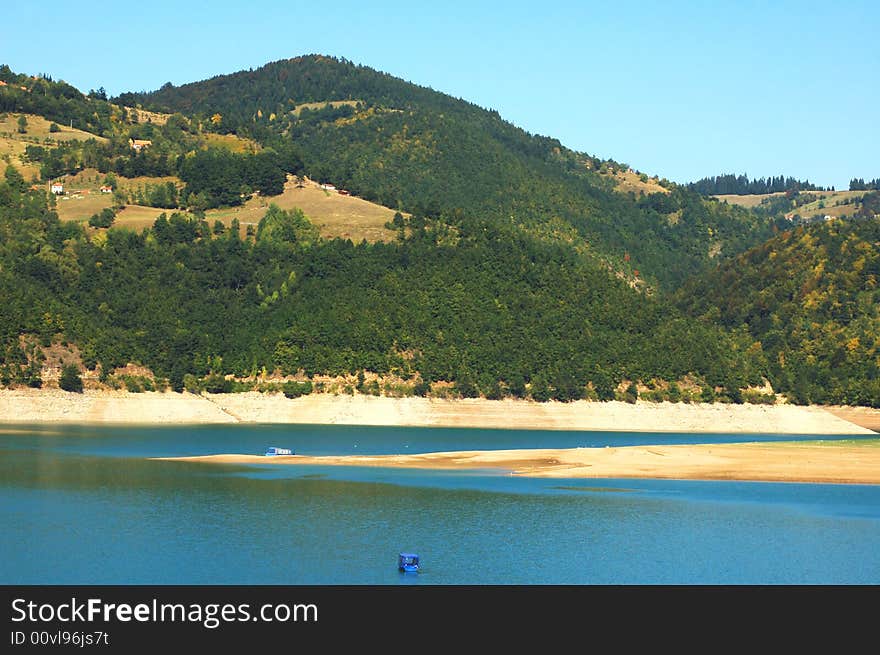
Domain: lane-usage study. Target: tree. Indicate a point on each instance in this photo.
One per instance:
(285, 227)
(216, 383)
(707, 395)
(295, 389)
(466, 387)
(70, 379)
(22, 124)
(103, 219)
(603, 385)
(539, 391)
(120, 198)
(15, 180)
(54, 128)
(263, 172)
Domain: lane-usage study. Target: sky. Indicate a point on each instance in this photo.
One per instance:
(678, 89)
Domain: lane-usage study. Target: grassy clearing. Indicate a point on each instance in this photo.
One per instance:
(80, 206)
(134, 184)
(231, 142)
(13, 144)
(627, 181)
(12, 152)
(145, 116)
(320, 105)
(137, 217)
(747, 201)
(83, 197)
(38, 131)
(333, 214)
(830, 203)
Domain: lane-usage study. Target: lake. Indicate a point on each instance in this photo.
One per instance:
(86, 505)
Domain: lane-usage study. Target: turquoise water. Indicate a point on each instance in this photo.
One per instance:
(84, 505)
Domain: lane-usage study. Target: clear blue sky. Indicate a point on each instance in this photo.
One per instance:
(679, 89)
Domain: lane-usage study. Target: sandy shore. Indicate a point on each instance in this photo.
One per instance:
(867, 417)
(816, 462)
(55, 406)
(92, 407)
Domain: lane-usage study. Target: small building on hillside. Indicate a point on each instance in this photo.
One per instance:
(106, 189)
(328, 187)
(57, 188)
(139, 144)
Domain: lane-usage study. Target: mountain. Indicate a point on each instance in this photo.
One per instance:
(810, 301)
(417, 150)
(513, 266)
(479, 310)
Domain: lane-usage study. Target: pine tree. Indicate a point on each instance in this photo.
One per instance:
(70, 379)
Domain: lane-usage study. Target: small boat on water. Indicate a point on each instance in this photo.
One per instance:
(274, 450)
(408, 562)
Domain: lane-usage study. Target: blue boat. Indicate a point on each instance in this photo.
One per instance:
(408, 562)
(273, 450)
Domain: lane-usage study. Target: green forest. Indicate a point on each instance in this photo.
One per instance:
(742, 185)
(486, 307)
(416, 150)
(519, 268)
(859, 184)
(810, 298)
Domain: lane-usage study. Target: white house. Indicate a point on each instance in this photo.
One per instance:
(57, 188)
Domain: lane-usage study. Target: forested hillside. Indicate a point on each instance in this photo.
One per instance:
(483, 308)
(519, 267)
(810, 298)
(212, 176)
(417, 150)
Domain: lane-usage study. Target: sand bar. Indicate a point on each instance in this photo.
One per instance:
(815, 462)
(39, 406)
